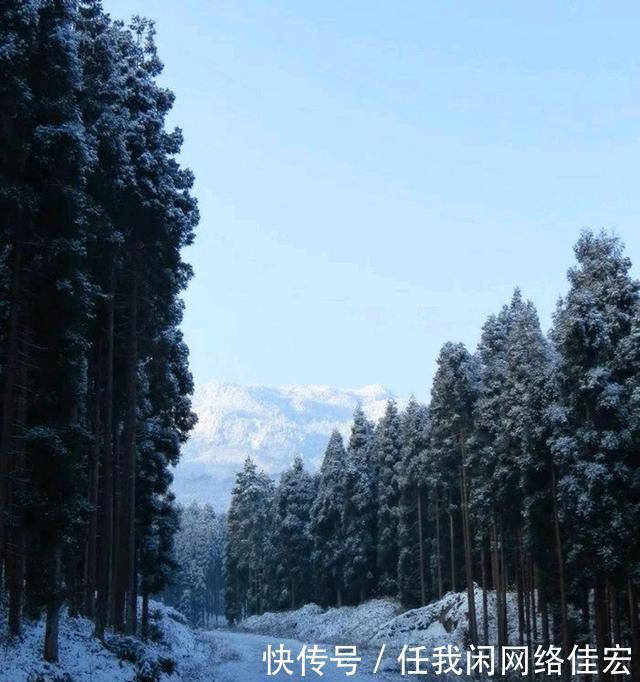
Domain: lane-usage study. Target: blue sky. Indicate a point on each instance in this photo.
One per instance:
(375, 177)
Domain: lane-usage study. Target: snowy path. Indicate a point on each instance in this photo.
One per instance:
(238, 658)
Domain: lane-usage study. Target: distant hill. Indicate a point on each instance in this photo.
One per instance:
(270, 424)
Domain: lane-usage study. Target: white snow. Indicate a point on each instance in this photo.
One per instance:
(228, 656)
(239, 659)
(348, 624)
(85, 659)
(446, 621)
(383, 621)
(272, 425)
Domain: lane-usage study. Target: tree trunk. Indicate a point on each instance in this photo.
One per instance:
(466, 528)
(634, 630)
(452, 547)
(92, 494)
(438, 546)
(485, 605)
(53, 609)
(615, 613)
(18, 474)
(520, 591)
(544, 608)
(144, 627)
(423, 591)
(600, 609)
(495, 575)
(504, 583)
(105, 593)
(560, 559)
(130, 456)
(7, 434)
(535, 598)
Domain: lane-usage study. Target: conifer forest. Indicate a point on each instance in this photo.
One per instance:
(520, 476)
(519, 479)
(96, 386)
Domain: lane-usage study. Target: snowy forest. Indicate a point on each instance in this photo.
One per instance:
(95, 210)
(521, 475)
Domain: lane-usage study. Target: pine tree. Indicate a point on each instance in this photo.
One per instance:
(388, 455)
(55, 307)
(327, 523)
(591, 439)
(291, 543)
(248, 537)
(453, 397)
(18, 36)
(412, 572)
(360, 513)
(526, 484)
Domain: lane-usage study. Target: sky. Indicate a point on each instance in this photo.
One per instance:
(375, 178)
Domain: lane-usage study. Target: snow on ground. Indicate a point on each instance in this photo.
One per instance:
(348, 624)
(382, 621)
(371, 626)
(446, 621)
(237, 656)
(177, 653)
(239, 659)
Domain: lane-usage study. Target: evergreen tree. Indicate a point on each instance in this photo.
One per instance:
(360, 513)
(453, 397)
(592, 437)
(412, 572)
(327, 523)
(54, 308)
(95, 213)
(248, 538)
(291, 543)
(388, 456)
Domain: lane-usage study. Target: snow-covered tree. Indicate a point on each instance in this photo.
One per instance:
(592, 440)
(291, 543)
(388, 445)
(196, 588)
(360, 514)
(412, 529)
(453, 397)
(327, 523)
(249, 524)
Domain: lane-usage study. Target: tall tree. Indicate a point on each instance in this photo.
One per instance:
(327, 523)
(388, 446)
(412, 571)
(248, 537)
(360, 513)
(453, 397)
(592, 437)
(291, 543)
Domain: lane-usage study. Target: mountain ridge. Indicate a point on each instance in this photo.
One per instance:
(268, 423)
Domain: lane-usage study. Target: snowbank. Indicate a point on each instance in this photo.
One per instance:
(446, 621)
(311, 623)
(175, 653)
(382, 621)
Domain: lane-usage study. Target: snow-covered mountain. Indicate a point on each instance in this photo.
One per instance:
(272, 425)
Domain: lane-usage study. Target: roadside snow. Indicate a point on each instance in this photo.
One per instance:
(446, 621)
(239, 659)
(85, 659)
(347, 625)
(382, 621)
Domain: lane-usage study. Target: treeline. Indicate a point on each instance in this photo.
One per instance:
(521, 476)
(196, 588)
(94, 212)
